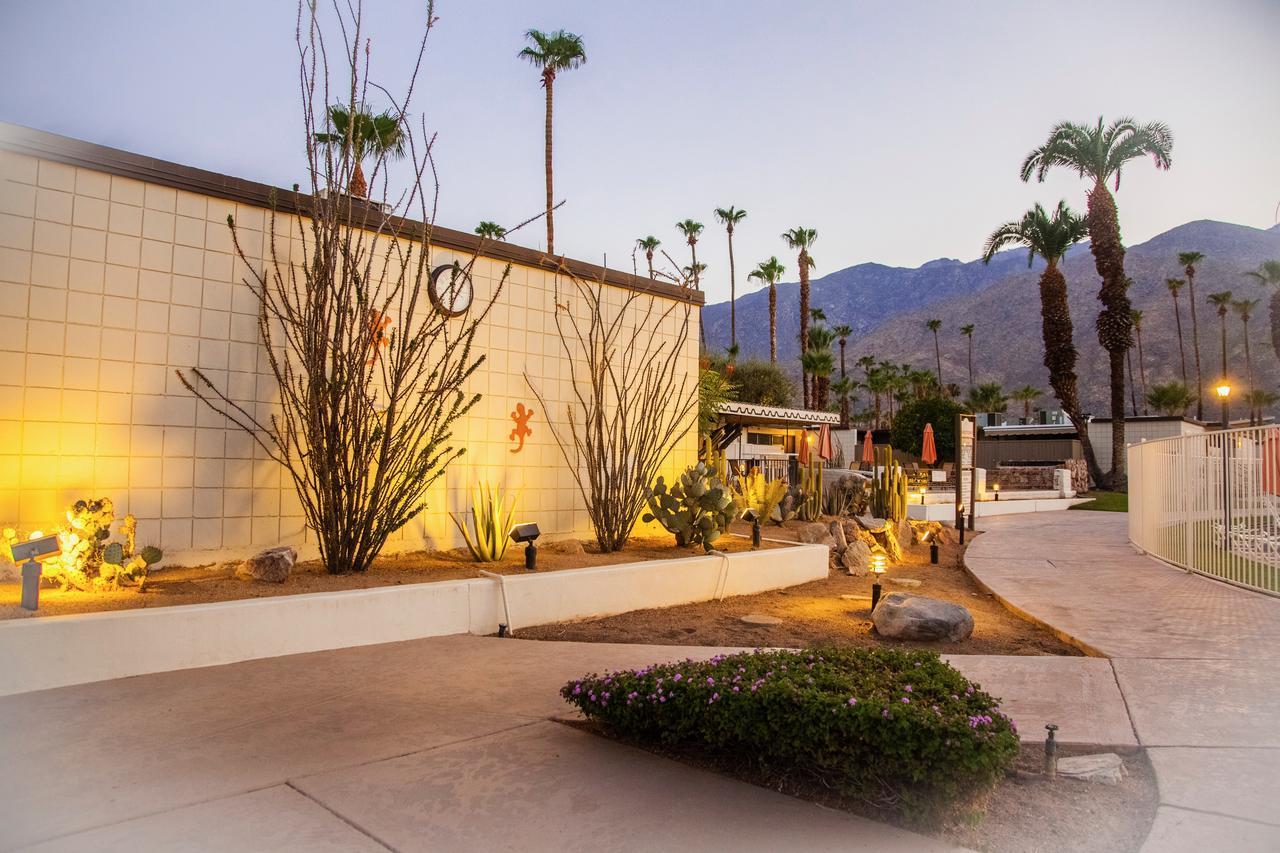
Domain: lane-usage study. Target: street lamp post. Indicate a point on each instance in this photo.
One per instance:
(1224, 394)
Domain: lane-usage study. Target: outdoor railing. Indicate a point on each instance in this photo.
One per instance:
(1210, 503)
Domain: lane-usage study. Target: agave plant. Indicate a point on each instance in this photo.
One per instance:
(490, 520)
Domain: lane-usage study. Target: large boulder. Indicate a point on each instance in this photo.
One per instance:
(902, 616)
(837, 534)
(270, 566)
(856, 559)
(815, 533)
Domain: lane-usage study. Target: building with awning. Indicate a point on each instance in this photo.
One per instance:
(768, 437)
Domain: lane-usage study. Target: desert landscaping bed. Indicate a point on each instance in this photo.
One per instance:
(834, 611)
(176, 585)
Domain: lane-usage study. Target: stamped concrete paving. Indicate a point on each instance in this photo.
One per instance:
(375, 739)
(1196, 660)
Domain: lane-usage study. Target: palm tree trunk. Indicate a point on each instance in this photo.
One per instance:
(648, 256)
(1223, 317)
(1142, 368)
(1248, 372)
(1195, 341)
(1182, 352)
(773, 323)
(804, 321)
(1114, 320)
(1274, 307)
(937, 354)
(693, 249)
(357, 186)
(1060, 359)
(733, 297)
(549, 82)
(1133, 386)
(970, 361)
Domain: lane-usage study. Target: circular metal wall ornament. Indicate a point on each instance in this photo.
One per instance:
(450, 290)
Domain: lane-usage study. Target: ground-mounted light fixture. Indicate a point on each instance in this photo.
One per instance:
(960, 520)
(877, 569)
(932, 539)
(754, 517)
(923, 491)
(528, 534)
(29, 554)
(995, 488)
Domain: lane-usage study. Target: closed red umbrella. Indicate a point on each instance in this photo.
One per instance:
(802, 453)
(825, 449)
(929, 452)
(868, 449)
(1271, 464)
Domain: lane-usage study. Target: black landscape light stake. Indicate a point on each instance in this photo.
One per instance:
(995, 487)
(29, 554)
(933, 550)
(1051, 753)
(877, 569)
(754, 517)
(528, 534)
(960, 521)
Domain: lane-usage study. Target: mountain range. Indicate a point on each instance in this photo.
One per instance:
(888, 307)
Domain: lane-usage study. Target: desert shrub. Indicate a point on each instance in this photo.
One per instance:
(910, 420)
(899, 730)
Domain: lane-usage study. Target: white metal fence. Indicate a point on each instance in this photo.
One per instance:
(1210, 503)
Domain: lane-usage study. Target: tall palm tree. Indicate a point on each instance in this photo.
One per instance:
(1142, 366)
(1050, 237)
(820, 364)
(1189, 261)
(1222, 301)
(1026, 395)
(934, 326)
(842, 388)
(361, 135)
(649, 245)
(1174, 285)
(802, 239)
(691, 230)
(1260, 399)
(879, 382)
(730, 217)
(694, 272)
(1099, 153)
(843, 333)
(967, 331)
(987, 397)
(1245, 308)
(552, 53)
(1170, 398)
(491, 231)
(770, 271)
(1268, 274)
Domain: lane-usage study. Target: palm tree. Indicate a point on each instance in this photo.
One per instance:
(691, 229)
(1174, 285)
(694, 272)
(1268, 274)
(1260, 399)
(842, 336)
(649, 245)
(879, 383)
(934, 326)
(821, 364)
(967, 331)
(552, 53)
(1136, 315)
(730, 217)
(1050, 237)
(1099, 153)
(987, 397)
(360, 136)
(770, 271)
(1245, 308)
(1170, 398)
(842, 388)
(491, 231)
(1026, 395)
(803, 239)
(1222, 301)
(1188, 261)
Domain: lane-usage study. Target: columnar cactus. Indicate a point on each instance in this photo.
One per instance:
(888, 488)
(811, 490)
(697, 509)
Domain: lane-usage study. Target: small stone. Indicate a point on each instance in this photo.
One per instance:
(568, 547)
(909, 583)
(856, 559)
(837, 534)
(758, 620)
(270, 566)
(903, 616)
(1105, 767)
(815, 533)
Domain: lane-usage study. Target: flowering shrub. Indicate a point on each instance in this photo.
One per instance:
(899, 730)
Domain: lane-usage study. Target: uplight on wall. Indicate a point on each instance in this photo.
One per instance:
(29, 554)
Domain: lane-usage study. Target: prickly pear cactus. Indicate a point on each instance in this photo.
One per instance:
(87, 561)
(697, 509)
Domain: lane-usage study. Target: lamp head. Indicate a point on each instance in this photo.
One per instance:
(1224, 390)
(751, 515)
(877, 564)
(995, 487)
(525, 532)
(40, 548)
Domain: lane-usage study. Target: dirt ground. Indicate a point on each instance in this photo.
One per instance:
(1025, 813)
(168, 586)
(834, 611)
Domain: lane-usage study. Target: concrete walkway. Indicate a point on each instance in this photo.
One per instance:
(1196, 660)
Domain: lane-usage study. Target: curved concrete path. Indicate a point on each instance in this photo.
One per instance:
(1197, 661)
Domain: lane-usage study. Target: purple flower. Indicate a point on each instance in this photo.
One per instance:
(907, 688)
(852, 701)
(735, 689)
(678, 677)
(885, 713)
(711, 682)
(905, 700)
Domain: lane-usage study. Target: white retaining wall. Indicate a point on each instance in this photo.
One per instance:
(55, 651)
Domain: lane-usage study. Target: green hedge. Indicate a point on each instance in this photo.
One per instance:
(899, 730)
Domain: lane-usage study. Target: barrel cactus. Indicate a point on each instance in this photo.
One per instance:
(696, 509)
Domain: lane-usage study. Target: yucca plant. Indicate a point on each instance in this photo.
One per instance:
(490, 520)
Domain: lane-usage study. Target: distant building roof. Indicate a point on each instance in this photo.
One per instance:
(1020, 430)
(750, 413)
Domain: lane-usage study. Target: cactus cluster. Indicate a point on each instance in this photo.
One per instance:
(810, 508)
(888, 488)
(753, 491)
(697, 508)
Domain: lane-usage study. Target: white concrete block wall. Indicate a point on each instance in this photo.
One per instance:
(108, 285)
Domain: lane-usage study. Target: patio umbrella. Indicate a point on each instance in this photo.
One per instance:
(802, 452)
(1271, 464)
(868, 449)
(825, 450)
(929, 453)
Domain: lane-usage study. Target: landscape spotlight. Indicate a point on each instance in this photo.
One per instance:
(923, 490)
(528, 534)
(29, 553)
(877, 569)
(933, 548)
(960, 520)
(754, 517)
(995, 487)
